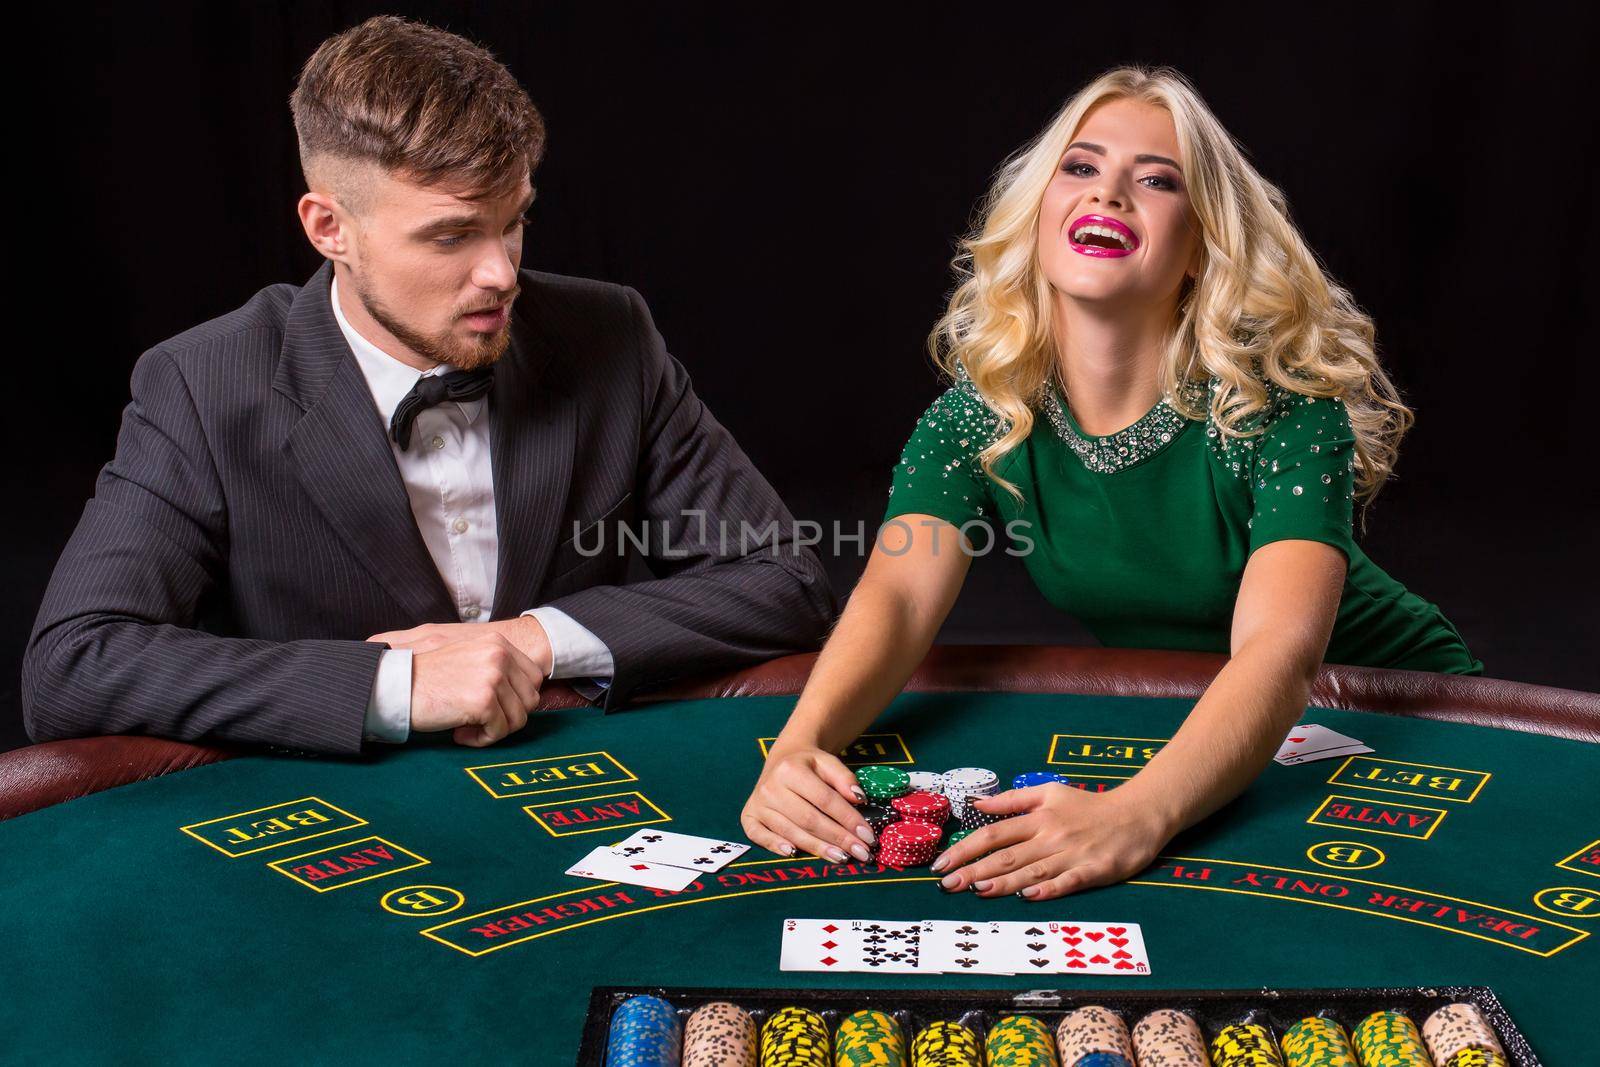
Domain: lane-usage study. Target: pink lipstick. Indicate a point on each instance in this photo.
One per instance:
(1113, 241)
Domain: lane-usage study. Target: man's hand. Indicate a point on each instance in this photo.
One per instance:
(473, 678)
(524, 631)
(1059, 840)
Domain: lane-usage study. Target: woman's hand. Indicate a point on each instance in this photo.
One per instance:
(1063, 840)
(802, 801)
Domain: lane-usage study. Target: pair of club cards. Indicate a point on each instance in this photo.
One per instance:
(941, 946)
(658, 859)
(1309, 742)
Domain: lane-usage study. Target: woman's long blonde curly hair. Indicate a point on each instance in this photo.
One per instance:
(1261, 310)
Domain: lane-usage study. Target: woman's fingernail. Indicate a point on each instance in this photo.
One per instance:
(1028, 892)
(865, 833)
(939, 864)
(836, 854)
(858, 794)
(860, 852)
(950, 881)
(981, 887)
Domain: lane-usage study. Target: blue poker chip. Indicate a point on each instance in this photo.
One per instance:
(645, 1032)
(1103, 1059)
(1023, 781)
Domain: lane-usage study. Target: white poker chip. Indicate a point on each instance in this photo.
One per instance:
(928, 781)
(971, 781)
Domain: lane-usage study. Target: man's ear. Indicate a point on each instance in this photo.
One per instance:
(326, 226)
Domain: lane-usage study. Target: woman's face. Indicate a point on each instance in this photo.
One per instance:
(1121, 173)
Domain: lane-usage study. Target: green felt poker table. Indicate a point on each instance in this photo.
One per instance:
(162, 901)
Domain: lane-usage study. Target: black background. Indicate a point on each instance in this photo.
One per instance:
(785, 190)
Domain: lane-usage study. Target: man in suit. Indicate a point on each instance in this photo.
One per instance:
(393, 499)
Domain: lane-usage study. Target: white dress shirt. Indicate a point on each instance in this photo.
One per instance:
(450, 483)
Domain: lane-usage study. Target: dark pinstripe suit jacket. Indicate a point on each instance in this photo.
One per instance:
(253, 528)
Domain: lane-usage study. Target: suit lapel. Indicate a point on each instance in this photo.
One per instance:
(342, 457)
(531, 452)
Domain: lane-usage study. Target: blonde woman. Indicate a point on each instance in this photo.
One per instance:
(1173, 411)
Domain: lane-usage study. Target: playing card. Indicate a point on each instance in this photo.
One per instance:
(960, 947)
(603, 864)
(863, 945)
(679, 850)
(1309, 742)
(1028, 948)
(1099, 948)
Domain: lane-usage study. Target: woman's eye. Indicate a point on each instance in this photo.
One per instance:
(1072, 168)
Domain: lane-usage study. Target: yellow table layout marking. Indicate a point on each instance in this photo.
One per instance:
(865, 751)
(1103, 753)
(1418, 779)
(1584, 861)
(288, 823)
(1366, 815)
(569, 817)
(332, 868)
(550, 774)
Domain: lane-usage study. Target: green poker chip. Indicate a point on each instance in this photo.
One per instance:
(883, 783)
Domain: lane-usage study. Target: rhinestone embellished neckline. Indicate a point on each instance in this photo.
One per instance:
(1131, 445)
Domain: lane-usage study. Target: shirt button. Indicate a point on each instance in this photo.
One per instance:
(459, 526)
(470, 611)
(436, 442)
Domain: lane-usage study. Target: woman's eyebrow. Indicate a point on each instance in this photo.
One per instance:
(1144, 157)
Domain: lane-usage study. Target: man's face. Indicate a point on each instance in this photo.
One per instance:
(437, 271)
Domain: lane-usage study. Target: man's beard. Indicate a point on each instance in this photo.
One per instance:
(443, 347)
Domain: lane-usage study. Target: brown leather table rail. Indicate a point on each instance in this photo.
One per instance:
(40, 775)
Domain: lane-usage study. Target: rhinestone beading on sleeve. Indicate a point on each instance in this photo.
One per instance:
(961, 425)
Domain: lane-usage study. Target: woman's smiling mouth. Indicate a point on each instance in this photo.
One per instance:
(1101, 236)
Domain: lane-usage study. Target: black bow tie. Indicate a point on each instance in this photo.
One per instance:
(460, 386)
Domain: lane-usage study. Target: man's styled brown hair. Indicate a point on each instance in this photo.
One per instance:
(429, 106)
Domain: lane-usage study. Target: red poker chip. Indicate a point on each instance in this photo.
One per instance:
(907, 844)
(922, 806)
(910, 832)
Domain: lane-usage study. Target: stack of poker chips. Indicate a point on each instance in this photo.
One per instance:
(794, 1037)
(719, 1034)
(962, 785)
(1390, 1039)
(1245, 1045)
(920, 806)
(946, 1044)
(1094, 1037)
(908, 844)
(1317, 1042)
(882, 784)
(644, 1033)
(1168, 1038)
(878, 816)
(1459, 1036)
(1020, 1041)
(927, 781)
(869, 1037)
(908, 824)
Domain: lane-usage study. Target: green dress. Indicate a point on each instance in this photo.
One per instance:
(1142, 535)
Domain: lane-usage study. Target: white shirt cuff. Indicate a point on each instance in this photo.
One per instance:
(575, 652)
(389, 709)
